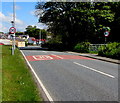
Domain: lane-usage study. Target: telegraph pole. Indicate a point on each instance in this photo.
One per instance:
(13, 25)
(40, 37)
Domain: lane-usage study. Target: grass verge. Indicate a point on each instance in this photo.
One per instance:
(17, 81)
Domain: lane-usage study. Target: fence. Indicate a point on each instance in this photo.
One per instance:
(94, 47)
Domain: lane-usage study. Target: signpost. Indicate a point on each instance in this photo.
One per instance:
(12, 30)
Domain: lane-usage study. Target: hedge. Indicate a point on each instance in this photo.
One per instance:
(111, 50)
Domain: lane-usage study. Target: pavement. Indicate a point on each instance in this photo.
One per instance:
(70, 77)
(96, 56)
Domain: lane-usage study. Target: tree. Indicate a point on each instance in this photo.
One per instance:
(115, 25)
(33, 31)
(19, 33)
(75, 22)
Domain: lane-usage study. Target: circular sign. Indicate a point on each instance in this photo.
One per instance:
(12, 30)
(106, 33)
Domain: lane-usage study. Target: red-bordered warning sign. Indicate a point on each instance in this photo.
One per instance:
(12, 30)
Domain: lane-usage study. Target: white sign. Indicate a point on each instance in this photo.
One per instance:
(106, 33)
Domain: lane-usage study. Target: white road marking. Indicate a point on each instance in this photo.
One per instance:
(57, 56)
(42, 57)
(39, 81)
(94, 70)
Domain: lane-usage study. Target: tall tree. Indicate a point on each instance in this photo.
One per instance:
(33, 31)
(75, 22)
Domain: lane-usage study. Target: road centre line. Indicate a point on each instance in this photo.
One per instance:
(94, 70)
(57, 56)
(38, 79)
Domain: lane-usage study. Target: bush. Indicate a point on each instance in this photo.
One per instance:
(111, 50)
(54, 45)
(82, 47)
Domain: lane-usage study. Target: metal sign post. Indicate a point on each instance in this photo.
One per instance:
(12, 30)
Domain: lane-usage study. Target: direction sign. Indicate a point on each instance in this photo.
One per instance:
(106, 33)
(12, 30)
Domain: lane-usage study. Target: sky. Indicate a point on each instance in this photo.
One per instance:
(24, 16)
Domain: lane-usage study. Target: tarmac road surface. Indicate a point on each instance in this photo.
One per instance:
(69, 77)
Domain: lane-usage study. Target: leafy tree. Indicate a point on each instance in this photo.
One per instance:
(76, 22)
(32, 31)
(115, 25)
(19, 33)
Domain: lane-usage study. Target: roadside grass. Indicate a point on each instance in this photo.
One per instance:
(0, 74)
(17, 81)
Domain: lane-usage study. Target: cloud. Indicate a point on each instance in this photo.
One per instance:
(6, 22)
(32, 12)
(17, 7)
(42, 26)
(3, 28)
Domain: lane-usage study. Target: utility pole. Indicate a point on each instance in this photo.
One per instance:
(40, 37)
(13, 25)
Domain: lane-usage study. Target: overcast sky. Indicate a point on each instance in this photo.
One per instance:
(24, 16)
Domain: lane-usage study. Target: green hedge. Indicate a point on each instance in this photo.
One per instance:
(53, 45)
(111, 50)
(82, 47)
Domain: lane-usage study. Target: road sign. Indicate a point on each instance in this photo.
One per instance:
(12, 30)
(106, 33)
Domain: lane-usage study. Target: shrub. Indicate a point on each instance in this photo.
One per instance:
(53, 45)
(111, 50)
(82, 47)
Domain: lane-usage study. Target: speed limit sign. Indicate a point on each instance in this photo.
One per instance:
(106, 33)
(12, 30)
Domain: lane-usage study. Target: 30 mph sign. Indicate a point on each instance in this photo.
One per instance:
(106, 33)
(12, 30)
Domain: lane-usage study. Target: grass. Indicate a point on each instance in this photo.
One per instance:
(17, 81)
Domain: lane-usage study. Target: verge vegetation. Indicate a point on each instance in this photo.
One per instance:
(17, 81)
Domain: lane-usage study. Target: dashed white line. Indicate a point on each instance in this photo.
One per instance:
(39, 81)
(94, 70)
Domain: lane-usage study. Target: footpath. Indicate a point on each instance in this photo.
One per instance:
(95, 56)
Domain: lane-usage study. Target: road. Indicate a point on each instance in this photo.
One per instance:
(69, 77)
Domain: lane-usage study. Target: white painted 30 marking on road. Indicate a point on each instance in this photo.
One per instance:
(57, 56)
(42, 57)
(94, 70)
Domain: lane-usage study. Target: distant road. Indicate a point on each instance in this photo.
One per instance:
(69, 77)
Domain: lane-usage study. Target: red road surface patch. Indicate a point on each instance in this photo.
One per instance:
(55, 57)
